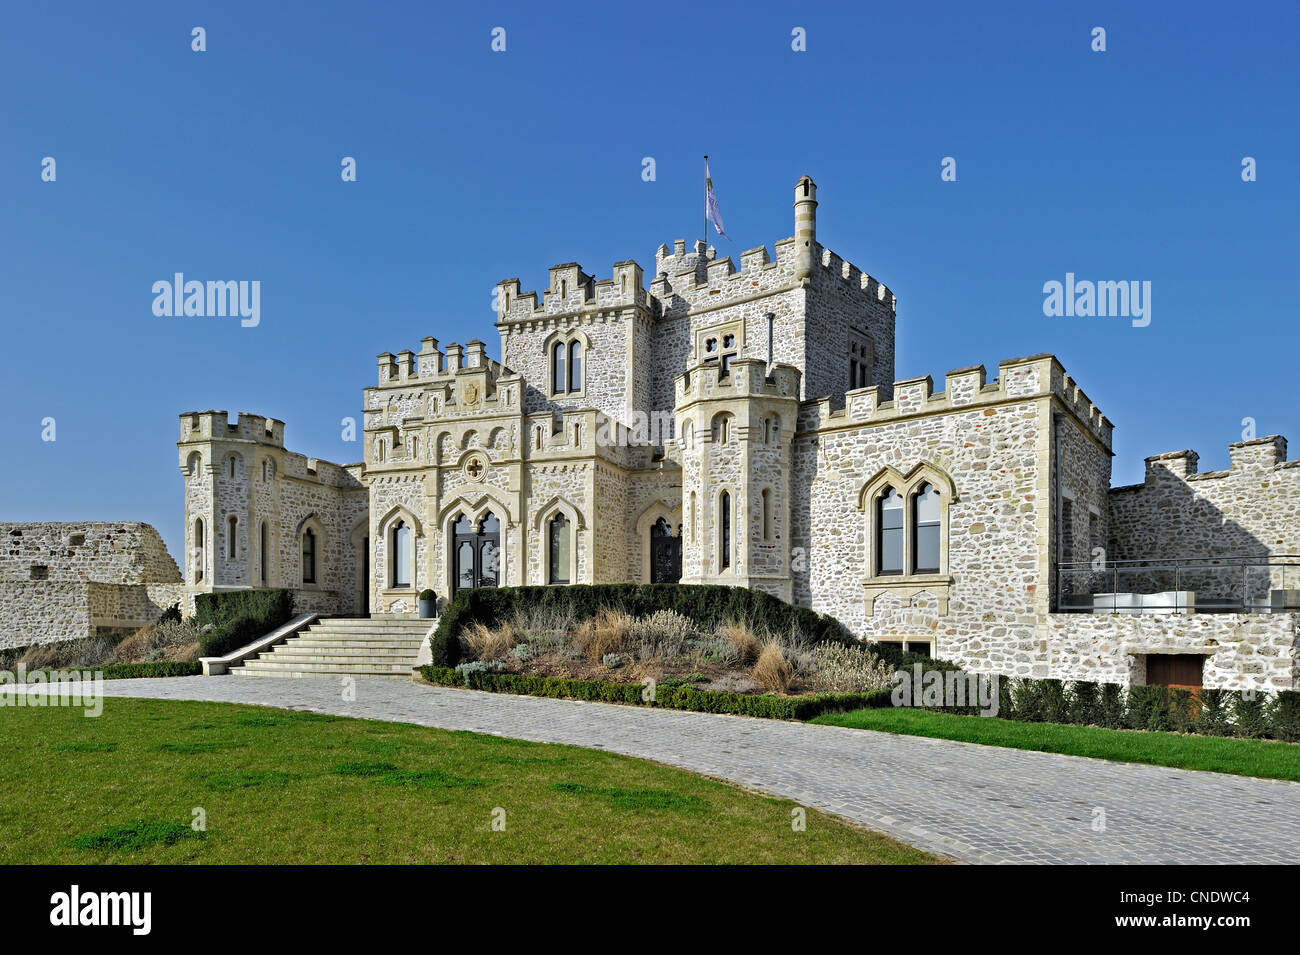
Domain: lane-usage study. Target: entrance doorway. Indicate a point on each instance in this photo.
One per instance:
(665, 553)
(476, 554)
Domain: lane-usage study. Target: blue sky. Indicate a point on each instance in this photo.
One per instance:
(474, 166)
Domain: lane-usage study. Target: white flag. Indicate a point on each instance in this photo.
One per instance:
(711, 211)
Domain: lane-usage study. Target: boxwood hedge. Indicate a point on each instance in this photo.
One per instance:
(675, 697)
(238, 617)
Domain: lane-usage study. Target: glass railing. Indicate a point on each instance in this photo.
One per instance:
(1200, 585)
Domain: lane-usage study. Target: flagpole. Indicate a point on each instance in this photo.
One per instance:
(706, 202)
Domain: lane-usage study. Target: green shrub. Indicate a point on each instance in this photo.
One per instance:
(1215, 716)
(238, 617)
(130, 671)
(1250, 713)
(1149, 708)
(670, 695)
(427, 594)
(1110, 711)
(1084, 703)
(1284, 716)
(1182, 711)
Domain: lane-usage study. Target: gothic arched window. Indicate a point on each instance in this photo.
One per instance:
(889, 534)
(724, 527)
(925, 530)
(309, 556)
(400, 556)
(559, 532)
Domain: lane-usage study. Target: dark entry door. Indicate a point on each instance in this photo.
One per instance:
(665, 553)
(476, 555)
(1181, 671)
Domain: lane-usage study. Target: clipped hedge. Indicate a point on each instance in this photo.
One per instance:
(1152, 707)
(707, 605)
(238, 617)
(130, 671)
(674, 697)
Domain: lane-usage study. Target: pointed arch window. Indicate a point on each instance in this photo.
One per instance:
(925, 529)
(559, 380)
(575, 366)
(400, 554)
(263, 552)
(198, 550)
(559, 532)
(309, 556)
(889, 534)
(724, 530)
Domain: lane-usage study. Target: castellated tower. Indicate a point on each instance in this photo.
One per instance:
(735, 426)
(257, 515)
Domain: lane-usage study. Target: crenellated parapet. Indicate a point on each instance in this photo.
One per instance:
(1037, 376)
(217, 426)
(431, 364)
(746, 378)
(572, 290)
(1258, 456)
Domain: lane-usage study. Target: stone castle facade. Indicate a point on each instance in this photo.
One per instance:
(743, 425)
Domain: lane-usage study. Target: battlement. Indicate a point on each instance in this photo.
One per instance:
(216, 426)
(746, 378)
(1020, 378)
(1245, 457)
(572, 290)
(430, 364)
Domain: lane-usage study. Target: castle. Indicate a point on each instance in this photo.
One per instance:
(743, 426)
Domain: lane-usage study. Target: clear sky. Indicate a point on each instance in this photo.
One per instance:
(474, 165)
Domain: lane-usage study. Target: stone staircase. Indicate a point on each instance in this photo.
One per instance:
(335, 646)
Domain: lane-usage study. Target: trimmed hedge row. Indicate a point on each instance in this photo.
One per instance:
(128, 671)
(675, 697)
(707, 605)
(1158, 708)
(238, 617)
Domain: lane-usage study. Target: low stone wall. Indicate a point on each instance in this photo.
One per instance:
(51, 611)
(1243, 651)
(130, 606)
(43, 611)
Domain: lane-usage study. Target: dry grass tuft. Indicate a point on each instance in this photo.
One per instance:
(772, 671)
(608, 632)
(743, 639)
(489, 643)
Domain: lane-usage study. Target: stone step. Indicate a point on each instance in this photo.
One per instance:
(369, 631)
(342, 655)
(271, 668)
(375, 621)
(398, 643)
(311, 670)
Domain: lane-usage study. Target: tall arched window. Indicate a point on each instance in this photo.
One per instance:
(559, 532)
(575, 366)
(558, 378)
(415, 447)
(192, 464)
(400, 554)
(925, 530)
(232, 467)
(309, 556)
(379, 450)
(232, 527)
(724, 536)
(263, 552)
(889, 534)
(198, 549)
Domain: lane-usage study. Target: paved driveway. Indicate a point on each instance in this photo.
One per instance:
(975, 803)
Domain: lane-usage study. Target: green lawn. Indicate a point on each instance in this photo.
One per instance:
(285, 787)
(1241, 757)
